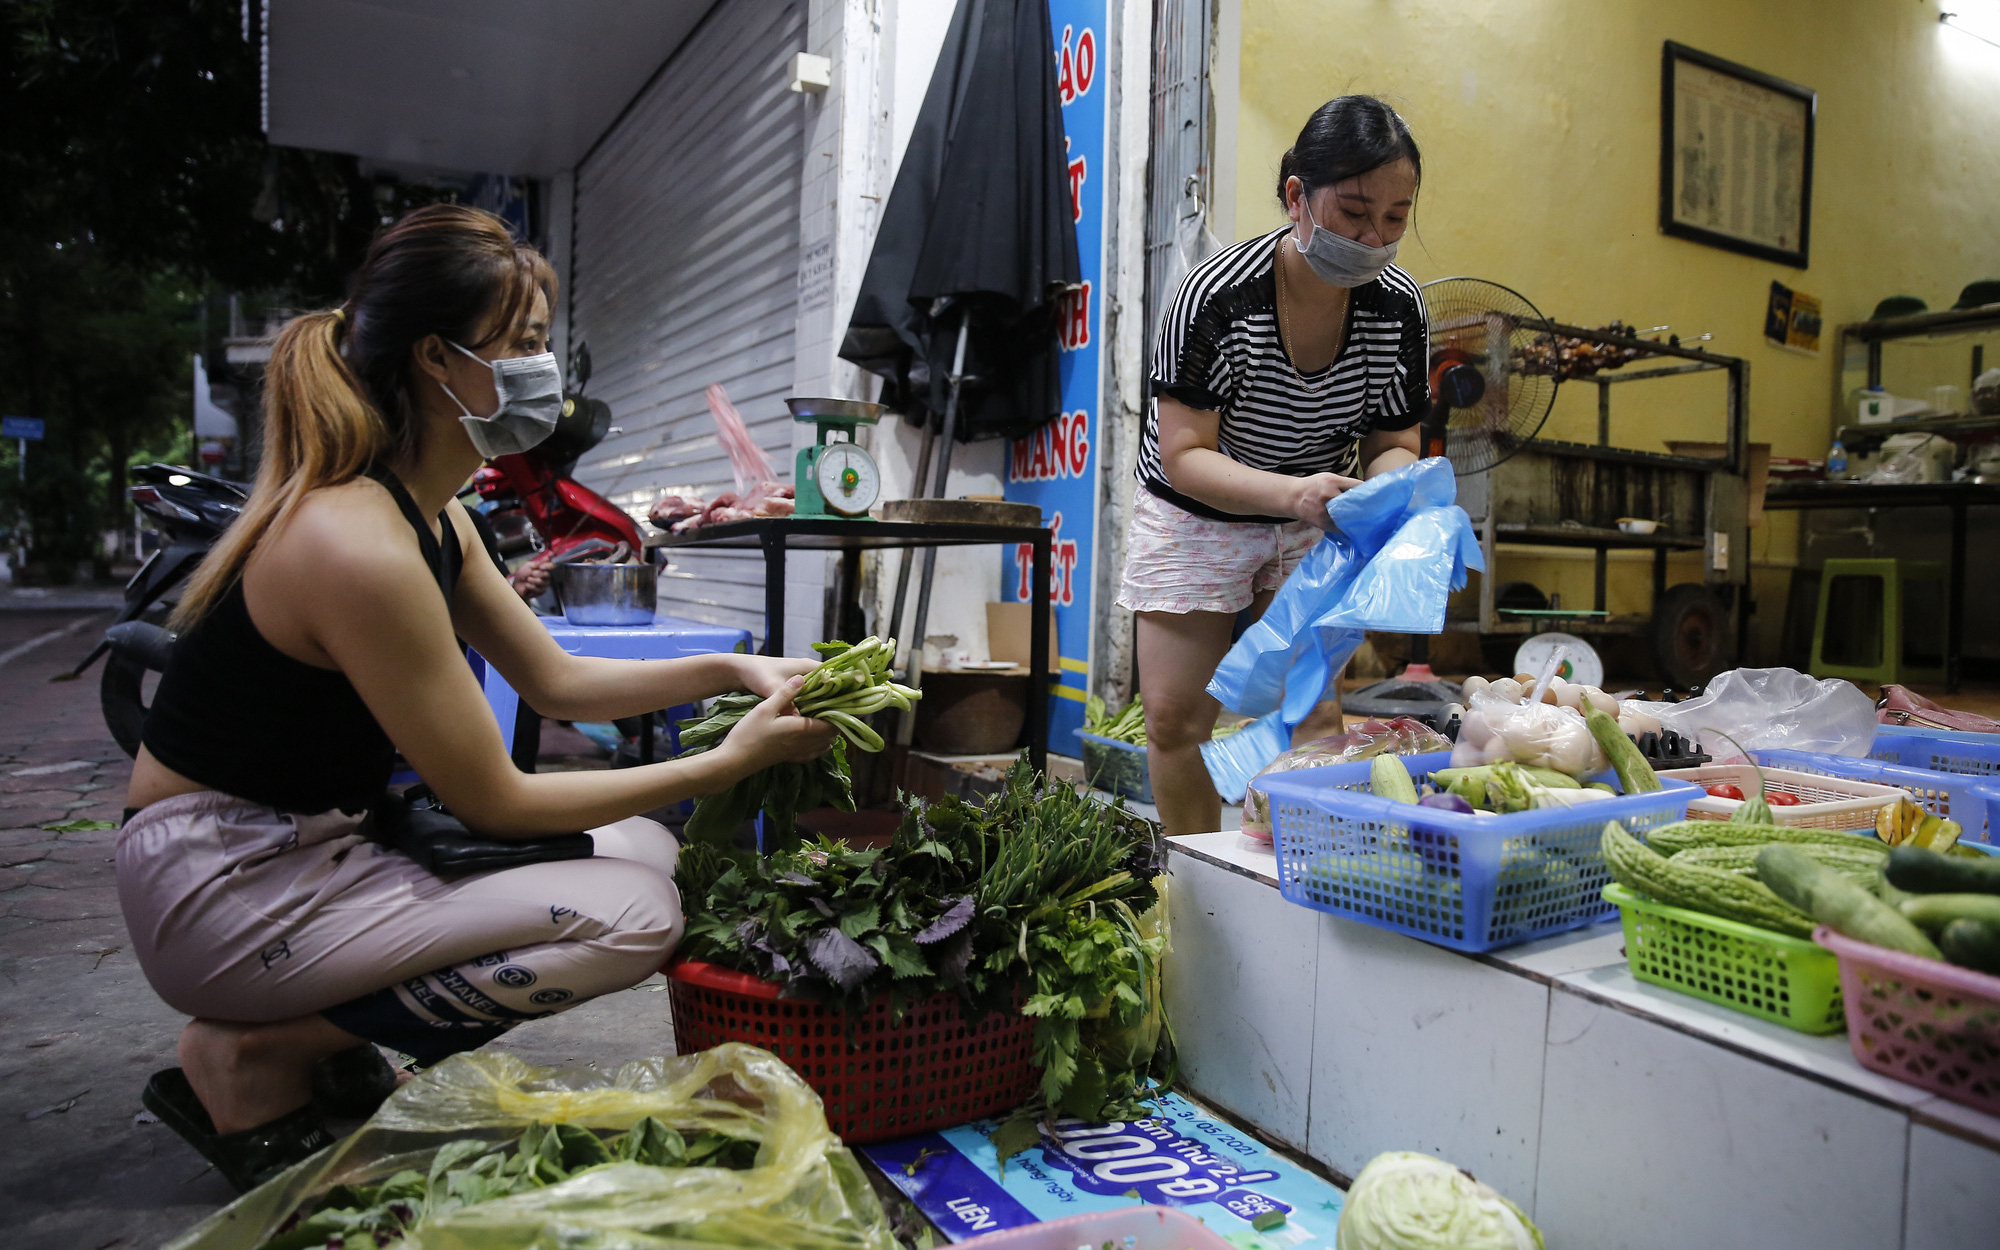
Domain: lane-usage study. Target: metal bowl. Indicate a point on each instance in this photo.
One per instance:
(808, 408)
(608, 594)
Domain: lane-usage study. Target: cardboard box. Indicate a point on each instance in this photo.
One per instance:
(1007, 629)
(1759, 468)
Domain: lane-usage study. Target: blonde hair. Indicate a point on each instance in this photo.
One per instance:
(337, 391)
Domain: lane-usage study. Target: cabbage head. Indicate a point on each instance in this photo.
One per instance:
(1408, 1201)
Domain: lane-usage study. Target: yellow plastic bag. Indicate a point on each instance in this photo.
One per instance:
(806, 1189)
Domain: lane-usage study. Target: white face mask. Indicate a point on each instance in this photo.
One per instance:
(1338, 259)
(530, 393)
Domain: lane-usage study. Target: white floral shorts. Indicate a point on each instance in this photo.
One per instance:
(1178, 562)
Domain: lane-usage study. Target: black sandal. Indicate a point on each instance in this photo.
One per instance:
(246, 1159)
(352, 1084)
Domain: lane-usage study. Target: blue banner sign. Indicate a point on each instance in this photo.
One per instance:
(1056, 467)
(29, 428)
(1180, 1157)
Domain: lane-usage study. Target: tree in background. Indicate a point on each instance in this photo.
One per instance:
(136, 187)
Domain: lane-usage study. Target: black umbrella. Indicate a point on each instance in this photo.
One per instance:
(958, 307)
(979, 234)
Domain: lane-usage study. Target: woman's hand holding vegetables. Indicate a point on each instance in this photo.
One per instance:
(1312, 494)
(766, 675)
(774, 732)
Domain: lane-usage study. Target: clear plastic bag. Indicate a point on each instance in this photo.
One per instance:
(1539, 734)
(1766, 709)
(806, 1190)
(1401, 736)
(1401, 546)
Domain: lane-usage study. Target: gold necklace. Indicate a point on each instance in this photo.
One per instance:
(1285, 312)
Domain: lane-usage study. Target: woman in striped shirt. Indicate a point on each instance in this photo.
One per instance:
(1288, 368)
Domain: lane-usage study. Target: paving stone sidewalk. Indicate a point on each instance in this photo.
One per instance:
(80, 1030)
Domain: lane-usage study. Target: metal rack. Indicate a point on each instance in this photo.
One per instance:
(1562, 494)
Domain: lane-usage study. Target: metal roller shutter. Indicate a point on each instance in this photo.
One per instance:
(685, 273)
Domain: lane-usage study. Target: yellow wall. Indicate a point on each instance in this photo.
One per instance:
(1539, 123)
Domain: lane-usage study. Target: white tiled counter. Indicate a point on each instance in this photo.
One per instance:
(1618, 1114)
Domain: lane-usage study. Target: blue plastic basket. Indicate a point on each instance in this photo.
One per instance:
(1973, 802)
(1975, 755)
(1472, 883)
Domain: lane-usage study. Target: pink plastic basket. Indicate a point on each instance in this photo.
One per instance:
(1930, 1024)
(1128, 1228)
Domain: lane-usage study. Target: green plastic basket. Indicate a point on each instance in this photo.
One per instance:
(1788, 980)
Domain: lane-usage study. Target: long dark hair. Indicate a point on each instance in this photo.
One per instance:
(1345, 138)
(338, 395)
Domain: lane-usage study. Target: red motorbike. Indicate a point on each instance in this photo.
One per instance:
(532, 502)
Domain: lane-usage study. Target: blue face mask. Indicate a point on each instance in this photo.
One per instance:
(531, 400)
(1337, 259)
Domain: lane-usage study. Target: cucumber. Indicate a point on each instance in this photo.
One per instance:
(1935, 911)
(1838, 903)
(1927, 872)
(1550, 779)
(1973, 944)
(1389, 778)
(1635, 775)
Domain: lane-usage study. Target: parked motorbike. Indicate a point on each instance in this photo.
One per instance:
(190, 509)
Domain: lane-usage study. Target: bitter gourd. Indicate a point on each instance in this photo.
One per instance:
(1638, 867)
(1861, 865)
(1687, 835)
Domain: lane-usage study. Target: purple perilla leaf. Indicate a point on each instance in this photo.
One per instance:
(845, 961)
(956, 917)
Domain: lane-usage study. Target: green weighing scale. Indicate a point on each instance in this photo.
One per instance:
(835, 478)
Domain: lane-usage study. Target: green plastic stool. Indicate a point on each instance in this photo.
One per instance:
(1887, 621)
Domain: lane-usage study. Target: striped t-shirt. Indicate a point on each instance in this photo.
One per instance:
(1219, 351)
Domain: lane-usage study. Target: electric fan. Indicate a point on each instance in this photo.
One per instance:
(1488, 398)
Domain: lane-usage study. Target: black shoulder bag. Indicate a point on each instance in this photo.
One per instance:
(414, 823)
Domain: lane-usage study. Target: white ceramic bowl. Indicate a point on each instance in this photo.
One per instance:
(1636, 525)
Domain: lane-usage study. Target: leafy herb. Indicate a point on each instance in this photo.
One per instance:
(1029, 902)
(850, 683)
(467, 1172)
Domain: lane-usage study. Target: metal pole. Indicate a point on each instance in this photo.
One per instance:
(915, 673)
(920, 480)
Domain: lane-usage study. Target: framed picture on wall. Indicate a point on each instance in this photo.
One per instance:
(1736, 156)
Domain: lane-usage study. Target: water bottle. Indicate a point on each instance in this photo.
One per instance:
(1836, 460)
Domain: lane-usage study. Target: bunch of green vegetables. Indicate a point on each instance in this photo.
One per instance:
(463, 1173)
(1034, 897)
(851, 682)
(1127, 725)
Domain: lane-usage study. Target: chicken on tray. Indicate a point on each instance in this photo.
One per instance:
(756, 494)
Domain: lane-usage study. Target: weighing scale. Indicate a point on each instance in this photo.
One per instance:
(835, 477)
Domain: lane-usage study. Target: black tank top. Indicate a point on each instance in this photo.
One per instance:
(240, 716)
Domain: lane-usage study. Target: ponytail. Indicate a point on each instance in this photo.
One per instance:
(337, 393)
(319, 430)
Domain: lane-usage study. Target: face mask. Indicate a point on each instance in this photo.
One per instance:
(1338, 259)
(530, 392)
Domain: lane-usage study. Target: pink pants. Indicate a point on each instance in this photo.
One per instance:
(239, 912)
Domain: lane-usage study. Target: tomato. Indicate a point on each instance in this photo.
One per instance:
(1778, 798)
(1725, 791)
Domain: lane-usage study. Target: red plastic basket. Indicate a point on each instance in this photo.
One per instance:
(1919, 1021)
(928, 1072)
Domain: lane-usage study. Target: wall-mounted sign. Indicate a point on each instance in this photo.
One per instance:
(1736, 156)
(1792, 319)
(1056, 466)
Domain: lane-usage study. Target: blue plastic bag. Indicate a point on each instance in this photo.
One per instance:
(1401, 547)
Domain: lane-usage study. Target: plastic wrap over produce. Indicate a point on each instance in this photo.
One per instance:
(1768, 709)
(805, 1189)
(1401, 546)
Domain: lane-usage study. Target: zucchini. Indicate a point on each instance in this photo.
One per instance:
(1973, 944)
(1935, 911)
(1863, 865)
(1927, 872)
(1389, 778)
(1635, 775)
(1550, 779)
(1636, 866)
(1686, 835)
(1838, 903)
